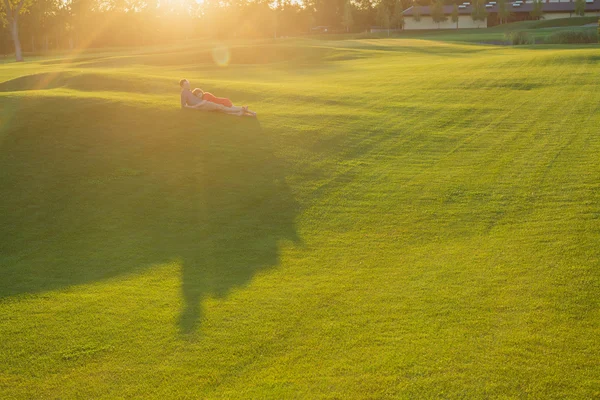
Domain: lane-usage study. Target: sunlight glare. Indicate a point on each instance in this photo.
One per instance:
(221, 55)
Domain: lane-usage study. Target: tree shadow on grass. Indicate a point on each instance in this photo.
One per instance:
(94, 190)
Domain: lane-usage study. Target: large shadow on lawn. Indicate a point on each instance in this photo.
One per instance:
(94, 190)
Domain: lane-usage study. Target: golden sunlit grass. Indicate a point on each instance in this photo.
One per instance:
(405, 219)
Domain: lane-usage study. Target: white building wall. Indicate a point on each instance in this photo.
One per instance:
(557, 15)
(568, 15)
(426, 22)
(465, 21)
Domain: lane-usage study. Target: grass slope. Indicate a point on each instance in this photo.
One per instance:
(538, 30)
(406, 219)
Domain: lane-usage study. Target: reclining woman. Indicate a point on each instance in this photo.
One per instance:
(212, 98)
(188, 100)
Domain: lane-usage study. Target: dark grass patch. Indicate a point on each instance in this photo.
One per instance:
(87, 82)
(97, 197)
(509, 84)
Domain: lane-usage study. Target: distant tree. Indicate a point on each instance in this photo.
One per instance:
(78, 12)
(11, 9)
(479, 13)
(417, 12)
(275, 21)
(383, 16)
(365, 14)
(537, 12)
(455, 15)
(503, 12)
(329, 12)
(580, 8)
(347, 19)
(437, 12)
(36, 23)
(312, 22)
(398, 16)
(291, 18)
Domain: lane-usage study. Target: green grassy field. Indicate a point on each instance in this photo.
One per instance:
(405, 219)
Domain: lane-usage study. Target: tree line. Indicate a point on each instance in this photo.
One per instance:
(42, 25)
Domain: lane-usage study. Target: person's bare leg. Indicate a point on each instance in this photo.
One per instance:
(249, 112)
(233, 110)
(208, 106)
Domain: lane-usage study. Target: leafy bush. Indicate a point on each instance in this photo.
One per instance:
(519, 38)
(572, 37)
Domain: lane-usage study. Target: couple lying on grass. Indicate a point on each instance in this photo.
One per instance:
(204, 101)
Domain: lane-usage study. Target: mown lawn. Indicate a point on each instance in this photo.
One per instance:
(405, 219)
(539, 31)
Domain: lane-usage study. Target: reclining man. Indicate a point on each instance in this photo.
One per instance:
(188, 100)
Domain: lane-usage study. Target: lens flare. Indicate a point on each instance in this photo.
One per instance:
(221, 55)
